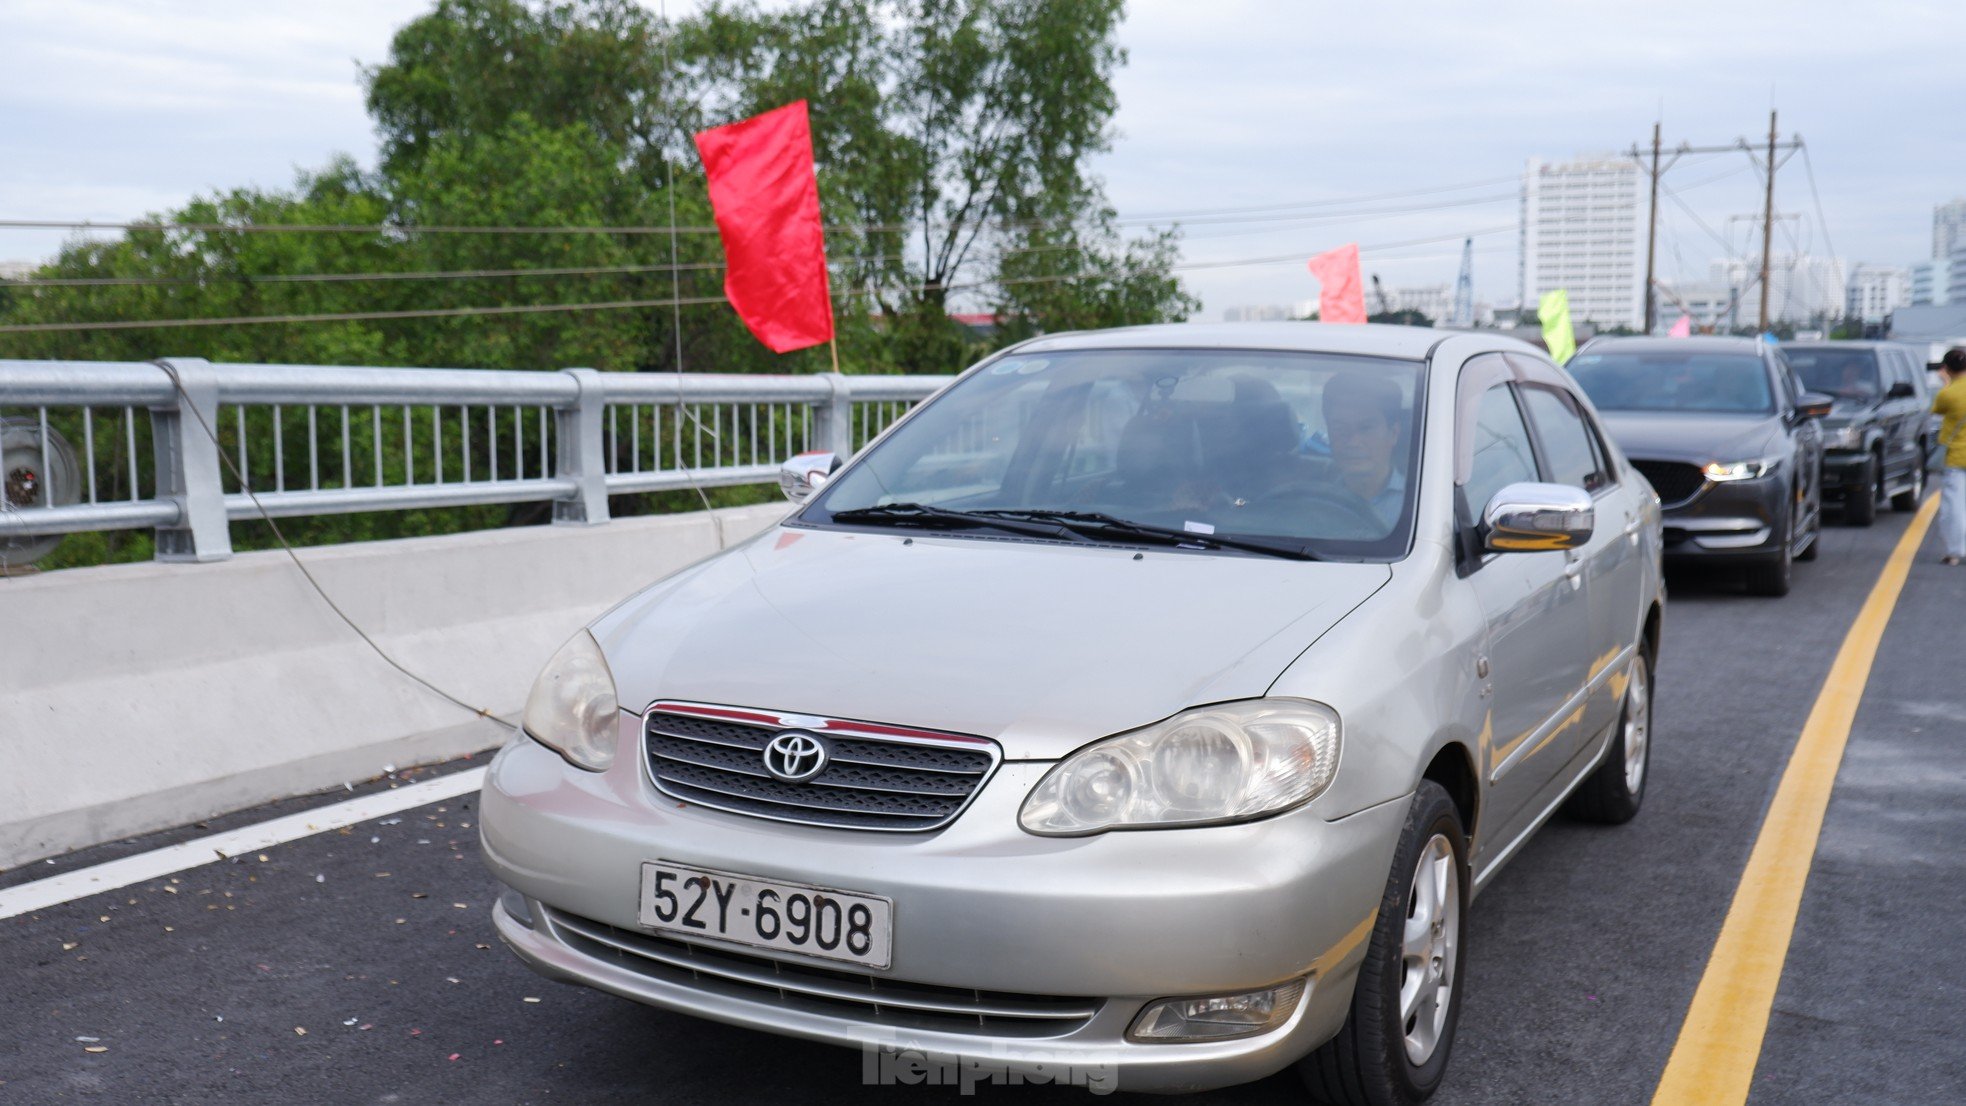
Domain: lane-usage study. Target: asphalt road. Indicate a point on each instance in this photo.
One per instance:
(360, 966)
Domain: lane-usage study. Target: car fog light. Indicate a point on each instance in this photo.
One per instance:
(1206, 1019)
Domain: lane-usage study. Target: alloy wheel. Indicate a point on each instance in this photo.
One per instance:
(1430, 946)
(1638, 726)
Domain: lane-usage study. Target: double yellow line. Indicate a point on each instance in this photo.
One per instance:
(1713, 1061)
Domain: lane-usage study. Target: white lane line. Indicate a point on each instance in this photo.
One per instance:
(109, 876)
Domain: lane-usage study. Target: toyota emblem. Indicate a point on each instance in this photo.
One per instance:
(795, 757)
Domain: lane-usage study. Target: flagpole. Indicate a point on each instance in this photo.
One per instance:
(833, 344)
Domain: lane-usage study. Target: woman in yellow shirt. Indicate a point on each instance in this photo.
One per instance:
(1951, 403)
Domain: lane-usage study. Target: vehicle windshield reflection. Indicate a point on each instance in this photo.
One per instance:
(1267, 451)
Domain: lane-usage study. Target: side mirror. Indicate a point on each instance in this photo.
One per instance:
(805, 474)
(1532, 518)
(1813, 405)
(1901, 390)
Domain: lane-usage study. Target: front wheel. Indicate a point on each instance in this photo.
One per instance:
(1772, 577)
(1860, 498)
(1393, 1048)
(1909, 499)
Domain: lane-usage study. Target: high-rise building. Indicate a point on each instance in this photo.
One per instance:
(1941, 280)
(1948, 228)
(1580, 225)
(1875, 291)
(1801, 289)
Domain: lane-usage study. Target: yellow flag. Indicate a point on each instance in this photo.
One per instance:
(1557, 335)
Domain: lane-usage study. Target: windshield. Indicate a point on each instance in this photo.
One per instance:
(1672, 381)
(1314, 449)
(1843, 373)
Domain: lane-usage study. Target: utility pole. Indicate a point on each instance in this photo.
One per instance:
(1657, 170)
(1767, 222)
(1651, 236)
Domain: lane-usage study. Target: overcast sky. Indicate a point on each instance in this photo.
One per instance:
(116, 108)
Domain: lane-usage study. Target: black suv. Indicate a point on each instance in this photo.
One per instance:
(1875, 438)
(1728, 438)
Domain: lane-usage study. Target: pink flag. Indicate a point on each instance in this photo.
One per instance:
(1681, 329)
(1341, 295)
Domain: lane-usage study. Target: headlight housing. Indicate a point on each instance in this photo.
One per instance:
(1229, 763)
(1720, 472)
(572, 709)
(1843, 437)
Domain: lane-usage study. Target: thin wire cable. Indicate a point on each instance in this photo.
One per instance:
(1201, 215)
(1810, 169)
(675, 302)
(185, 404)
(336, 278)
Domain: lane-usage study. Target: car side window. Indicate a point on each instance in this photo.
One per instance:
(1501, 451)
(1569, 455)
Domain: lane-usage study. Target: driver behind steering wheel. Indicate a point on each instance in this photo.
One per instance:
(1363, 418)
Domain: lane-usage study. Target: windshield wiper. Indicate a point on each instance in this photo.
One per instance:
(922, 516)
(1097, 524)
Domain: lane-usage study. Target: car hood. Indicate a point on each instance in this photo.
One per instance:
(1844, 412)
(1695, 438)
(1040, 646)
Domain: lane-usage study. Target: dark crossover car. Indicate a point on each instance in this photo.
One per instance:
(1875, 438)
(1729, 439)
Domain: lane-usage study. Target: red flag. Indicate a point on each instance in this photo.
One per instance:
(1340, 295)
(766, 197)
(1683, 328)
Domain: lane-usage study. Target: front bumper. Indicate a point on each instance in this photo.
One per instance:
(1067, 939)
(1736, 519)
(1845, 469)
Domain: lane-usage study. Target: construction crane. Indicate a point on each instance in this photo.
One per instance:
(1463, 314)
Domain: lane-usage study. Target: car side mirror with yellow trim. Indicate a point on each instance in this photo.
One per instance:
(1533, 518)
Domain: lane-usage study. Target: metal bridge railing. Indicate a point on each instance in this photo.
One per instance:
(187, 446)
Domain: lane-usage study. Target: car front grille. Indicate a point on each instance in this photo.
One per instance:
(915, 783)
(1675, 482)
(843, 994)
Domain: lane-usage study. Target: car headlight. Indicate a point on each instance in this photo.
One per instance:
(1843, 437)
(1228, 763)
(1722, 471)
(572, 709)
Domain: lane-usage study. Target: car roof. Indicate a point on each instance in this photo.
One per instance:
(1369, 339)
(1853, 343)
(1704, 344)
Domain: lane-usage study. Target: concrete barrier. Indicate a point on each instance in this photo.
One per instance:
(138, 697)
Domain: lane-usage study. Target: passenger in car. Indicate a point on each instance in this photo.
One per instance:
(1363, 414)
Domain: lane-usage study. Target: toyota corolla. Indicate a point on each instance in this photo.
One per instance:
(1147, 707)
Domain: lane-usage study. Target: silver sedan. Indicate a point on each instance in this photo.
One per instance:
(1144, 711)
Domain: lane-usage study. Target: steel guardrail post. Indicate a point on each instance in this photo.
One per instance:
(833, 421)
(184, 445)
(580, 456)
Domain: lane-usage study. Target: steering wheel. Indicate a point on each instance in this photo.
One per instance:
(1350, 507)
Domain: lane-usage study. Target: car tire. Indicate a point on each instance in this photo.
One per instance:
(1372, 1061)
(1613, 792)
(1909, 499)
(1860, 498)
(1772, 577)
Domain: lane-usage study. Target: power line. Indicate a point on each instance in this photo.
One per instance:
(616, 305)
(1810, 169)
(1283, 210)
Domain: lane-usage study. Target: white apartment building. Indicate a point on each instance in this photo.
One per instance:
(1435, 301)
(1581, 222)
(1941, 280)
(1801, 288)
(1875, 291)
(1712, 305)
(1948, 228)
